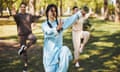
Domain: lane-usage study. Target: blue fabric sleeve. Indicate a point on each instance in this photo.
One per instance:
(70, 20)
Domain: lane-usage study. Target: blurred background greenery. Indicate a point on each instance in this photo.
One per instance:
(101, 54)
(108, 9)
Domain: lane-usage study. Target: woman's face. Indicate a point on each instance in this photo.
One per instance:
(52, 13)
(75, 10)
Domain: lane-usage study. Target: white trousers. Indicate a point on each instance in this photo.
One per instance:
(76, 38)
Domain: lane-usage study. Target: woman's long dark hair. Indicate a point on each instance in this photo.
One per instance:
(49, 7)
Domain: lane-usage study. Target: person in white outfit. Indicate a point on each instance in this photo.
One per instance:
(79, 36)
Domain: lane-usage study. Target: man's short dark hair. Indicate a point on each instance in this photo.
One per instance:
(23, 3)
(86, 9)
(74, 7)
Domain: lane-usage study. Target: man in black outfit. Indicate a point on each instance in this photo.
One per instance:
(24, 21)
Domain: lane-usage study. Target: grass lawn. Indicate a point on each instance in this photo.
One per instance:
(101, 54)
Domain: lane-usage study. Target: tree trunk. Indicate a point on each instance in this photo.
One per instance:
(61, 8)
(8, 6)
(1, 7)
(1, 11)
(117, 11)
(106, 10)
(96, 8)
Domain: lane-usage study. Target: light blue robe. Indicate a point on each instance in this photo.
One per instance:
(56, 57)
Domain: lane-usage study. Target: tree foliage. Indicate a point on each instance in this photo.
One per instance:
(95, 5)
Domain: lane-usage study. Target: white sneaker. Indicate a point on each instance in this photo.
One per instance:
(77, 64)
(22, 48)
(25, 69)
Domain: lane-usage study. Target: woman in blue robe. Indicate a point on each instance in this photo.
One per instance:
(56, 57)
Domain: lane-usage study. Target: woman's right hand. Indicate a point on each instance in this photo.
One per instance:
(60, 24)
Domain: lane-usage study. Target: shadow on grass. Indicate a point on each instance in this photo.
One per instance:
(7, 22)
(98, 58)
(11, 62)
(8, 37)
(101, 54)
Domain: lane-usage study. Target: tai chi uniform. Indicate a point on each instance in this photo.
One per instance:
(78, 34)
(56, 57)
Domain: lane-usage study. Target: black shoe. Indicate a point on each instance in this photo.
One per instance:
(25, 69)
(20, 51)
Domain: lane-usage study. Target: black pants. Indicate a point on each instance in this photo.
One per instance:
(30, 37)
(23, 41)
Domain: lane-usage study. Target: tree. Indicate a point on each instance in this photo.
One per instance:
(106, 9)
(61, 2)
(117, 11)
(1, 7)
(9, 4)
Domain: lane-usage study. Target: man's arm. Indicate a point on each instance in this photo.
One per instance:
(14, 14)
(34, 18)
(13, 11)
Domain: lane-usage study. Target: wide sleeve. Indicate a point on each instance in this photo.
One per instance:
(34, 18)
(49, 32)
(16, 18)
(71, 20)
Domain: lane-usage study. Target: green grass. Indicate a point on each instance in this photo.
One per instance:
(101, 54)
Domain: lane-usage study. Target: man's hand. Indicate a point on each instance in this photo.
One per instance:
(34, 26)
(13, 11)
